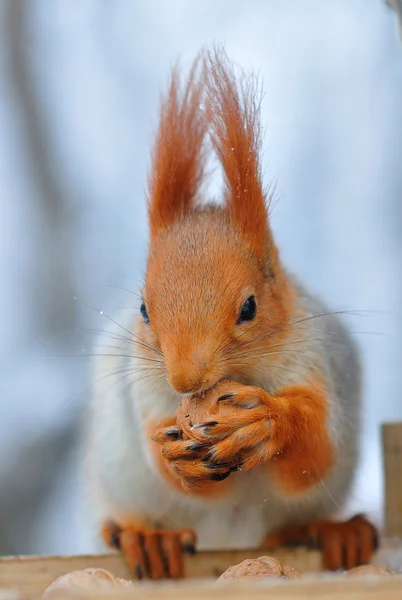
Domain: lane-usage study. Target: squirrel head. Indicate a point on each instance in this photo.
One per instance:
(214, 286)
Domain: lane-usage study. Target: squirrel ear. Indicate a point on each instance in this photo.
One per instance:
(178, 154)
(234, 114)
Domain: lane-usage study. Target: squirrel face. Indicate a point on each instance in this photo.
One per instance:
(201, 294)
(206, 301)
(213, 287)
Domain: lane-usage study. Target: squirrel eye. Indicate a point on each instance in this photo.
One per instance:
(248, 310)
(143, 311)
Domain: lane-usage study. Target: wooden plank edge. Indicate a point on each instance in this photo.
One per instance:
(202, 564)
(321, 587)
(391, 437)
(31, 575)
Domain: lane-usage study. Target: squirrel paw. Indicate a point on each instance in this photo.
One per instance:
(344, 544)
(243, 439)
(151, 553)
(187, 460)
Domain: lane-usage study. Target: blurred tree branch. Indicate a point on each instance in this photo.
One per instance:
(28, 477)
(396, 5)
(55, 290)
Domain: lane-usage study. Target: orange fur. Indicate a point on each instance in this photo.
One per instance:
(209, 273)
(287, 432)
(178, 164)
(233, 110)
(302, 438)
(205, 262)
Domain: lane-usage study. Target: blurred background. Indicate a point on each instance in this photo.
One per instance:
(79, 90)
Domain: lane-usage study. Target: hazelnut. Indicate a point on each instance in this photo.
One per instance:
(370, 570)
(260, 568)
(201, 408)
(88, 580)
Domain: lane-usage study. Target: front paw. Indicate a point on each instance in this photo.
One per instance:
(186, 459)
(241, 428)
(152, 553)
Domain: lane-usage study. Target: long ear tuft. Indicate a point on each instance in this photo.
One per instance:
(233, 109)
(178, 157)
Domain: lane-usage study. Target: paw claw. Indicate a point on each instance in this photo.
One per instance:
(207, 424)
(111, 535)
(213, 466)
(196, 446)
(138, 571)
(115, 539)
(226, 397)
(174, 433)
(207, 457)
(189, 549)
(220, 476)
(170, 434)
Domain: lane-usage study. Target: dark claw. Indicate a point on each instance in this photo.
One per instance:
(207, 424)
(225, 397)
(115, 539)
(219, 465)
(220, 476)
(189, 549)
(238, 467)
(296, 544)
(195, 446)
(174, 433)
(138, 571)
(208, 456)
(312, 544)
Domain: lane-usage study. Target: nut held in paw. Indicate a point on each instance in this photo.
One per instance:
(260, 568)
(201, 408)
(87, 581)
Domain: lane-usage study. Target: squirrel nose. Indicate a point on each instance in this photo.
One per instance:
(186, 379)
(188, 367)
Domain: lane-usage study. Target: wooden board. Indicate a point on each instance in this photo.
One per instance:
(31, 575)
(392, 462)
(334, 588)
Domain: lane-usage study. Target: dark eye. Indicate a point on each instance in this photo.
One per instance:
(143, 311)
(248, 310)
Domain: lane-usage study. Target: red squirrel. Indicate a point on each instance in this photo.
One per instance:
(219, 314)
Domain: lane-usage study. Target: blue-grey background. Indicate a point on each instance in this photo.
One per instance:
(79, 89)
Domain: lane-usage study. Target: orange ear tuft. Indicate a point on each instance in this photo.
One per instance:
(178, 156)
(233, 111)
